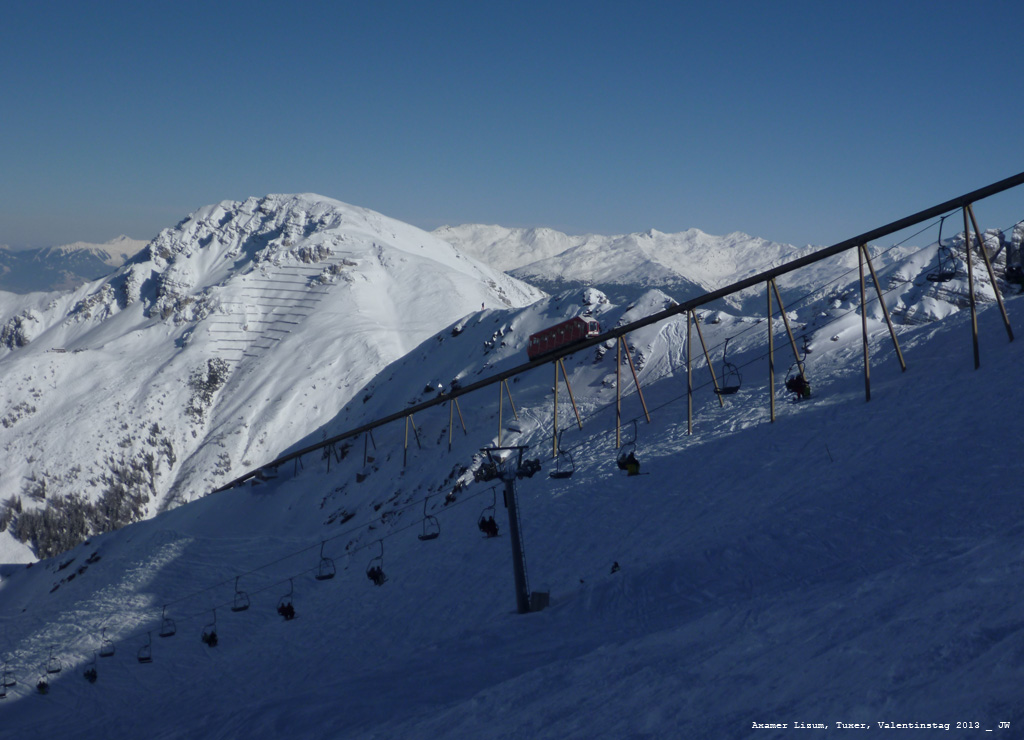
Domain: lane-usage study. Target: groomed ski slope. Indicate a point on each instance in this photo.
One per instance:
(852, 562)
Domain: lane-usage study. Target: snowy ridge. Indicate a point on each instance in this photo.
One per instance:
(246, 325)
(690, 262)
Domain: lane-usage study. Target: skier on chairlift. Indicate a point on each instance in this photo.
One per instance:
(629, 463)
(376, 574)
(799, 386)
(489, 527)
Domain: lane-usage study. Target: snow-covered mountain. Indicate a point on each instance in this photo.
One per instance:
(688, 263)
(246, 326)
(851, 562)
(64, 267)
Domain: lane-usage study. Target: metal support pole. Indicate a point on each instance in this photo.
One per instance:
(789, 331)
(636, 380)
(415, 432)
(461, 420)
(501, 400)
(405, 448)
(572, 398)
(618, 394)
(991, 272)
(771, 353)
(707, 357)
(510, 401)
(864, 326)
(554, 437)
(368, 436)
(970, 287)
(885, 310)
(508, 475)
(689, 375)
(515, 535)
(453, 404)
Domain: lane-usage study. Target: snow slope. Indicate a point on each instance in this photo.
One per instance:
(247, 325)
(851, 562)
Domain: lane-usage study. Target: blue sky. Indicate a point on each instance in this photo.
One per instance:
(801, 122)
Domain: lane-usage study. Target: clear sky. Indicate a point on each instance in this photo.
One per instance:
(801, 122)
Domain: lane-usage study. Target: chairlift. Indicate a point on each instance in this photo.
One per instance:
(89, 674)
(431, 527)
(209, 635)
(167, 625)
(627, 459)
(241, 600)
(106, 645)
(325, 570)
(731, 378)
(375, 569)
(796, 382)
(559, 472)
(145, 654)
(43, 685)
(53, 664)
(946, 269)
(486, 522)
(285, 607)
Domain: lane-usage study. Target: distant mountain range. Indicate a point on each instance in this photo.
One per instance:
(688, 263)
(65, 267)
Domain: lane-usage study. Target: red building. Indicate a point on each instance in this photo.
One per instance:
(560, 335)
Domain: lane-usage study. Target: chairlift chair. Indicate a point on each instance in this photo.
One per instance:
(325, 570)
(53, 664)
(946, 269)
(731, 378)
(285, 607)
(486, 522)
(375, 568)
(241, 600)
(145, 654)
(431, 527)
(796, 382)
(106, 645)
(627, 449)
(89, 674)
(209, 635)
(559, 472)
(167, 625)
